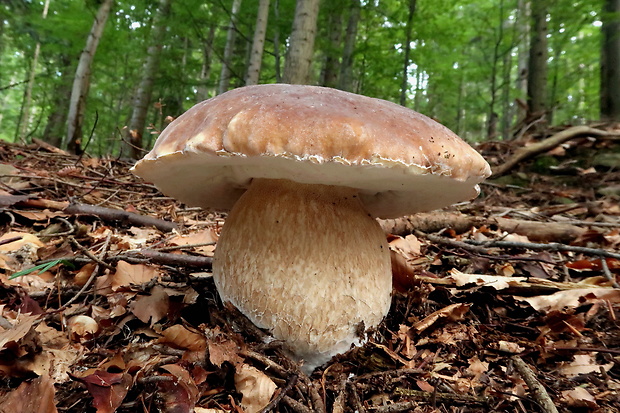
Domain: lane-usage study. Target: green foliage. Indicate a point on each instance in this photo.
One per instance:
(462, 68)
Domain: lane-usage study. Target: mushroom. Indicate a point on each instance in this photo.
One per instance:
(303, 171)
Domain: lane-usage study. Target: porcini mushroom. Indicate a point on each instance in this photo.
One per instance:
(304, 170)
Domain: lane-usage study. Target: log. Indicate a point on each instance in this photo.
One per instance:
(437, 221)
(545, 145)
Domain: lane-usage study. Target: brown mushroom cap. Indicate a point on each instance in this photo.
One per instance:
(401, 161)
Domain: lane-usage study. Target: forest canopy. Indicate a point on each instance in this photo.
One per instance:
(465, 63)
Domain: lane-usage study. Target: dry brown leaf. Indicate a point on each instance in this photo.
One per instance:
(36, 396)
(19, 330)
(84, 274)
(453, 312)
(151, 308)
(579, 397)
(180, 395)
(222, 350)
(409, 247)
(127, 274)
(25, 240)
(583, 364)
(476, 368)
(82, 328)
(180, 337)
(107, 389)
(204, 236)
(509, 347)
(572, 298)
(255, 386)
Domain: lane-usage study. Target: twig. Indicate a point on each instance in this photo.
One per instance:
(124, 217)
(538, 390)
(88, 253)
(180, 260)
(608, 273)
(552, 246)
(276, 400)
(481, 246)
(295, 405)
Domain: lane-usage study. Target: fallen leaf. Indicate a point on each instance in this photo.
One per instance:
(82, 328)
(583, 364)
(127, 274)
(579, 397)
(222, 350)
(153, 307)
(107, 389)
(180, 337)
(571, 298)
(36, 396)
(180, 395)
(255, 387)
(453, 312)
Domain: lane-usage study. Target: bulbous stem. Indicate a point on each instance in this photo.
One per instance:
(306, 262)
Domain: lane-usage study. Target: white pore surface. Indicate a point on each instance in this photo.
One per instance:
(388, 188)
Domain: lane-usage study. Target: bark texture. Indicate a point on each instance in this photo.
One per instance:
(345, 81)
(81, 82)
(610, 62)
(299, 55)
(258, 43)
(142, 99)
(537, 67)
(229, 49)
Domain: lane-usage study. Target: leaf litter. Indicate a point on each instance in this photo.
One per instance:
(109, 328)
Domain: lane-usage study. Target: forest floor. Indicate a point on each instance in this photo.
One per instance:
(509, 303)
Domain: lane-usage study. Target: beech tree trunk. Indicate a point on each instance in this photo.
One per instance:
(202, 91)
(142, 98)
(56, 120)
(537, 67)
(345, 81)
(229, 49)
(404, 83)
(610, 62)
(81, 82)
(276, 41)
(301, 46)
(258, 43)
(331, 65)
(25, 119)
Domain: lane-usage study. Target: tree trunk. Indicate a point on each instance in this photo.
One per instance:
(537, 67)
(25, 119)
(81, 82)
(492, 116)
(404, 83)
(229, 49)
(301, 47)
(142, 99)
(276, 41)
(202, 91)
(523, 32)
(345, 82)
(331, 66)
(610, 62)
(258, 43)
(56, 120)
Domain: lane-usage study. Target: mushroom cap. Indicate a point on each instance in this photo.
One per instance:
(401, 162)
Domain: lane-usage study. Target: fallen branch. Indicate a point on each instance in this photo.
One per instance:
(123, 217)
(545, 145)
(539, 393)
(437, 221)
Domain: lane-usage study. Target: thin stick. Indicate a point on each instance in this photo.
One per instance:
(539, 392)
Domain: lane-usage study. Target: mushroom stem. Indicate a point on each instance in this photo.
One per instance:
(306, 262)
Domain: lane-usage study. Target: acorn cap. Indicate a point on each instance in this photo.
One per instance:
(401, 162)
